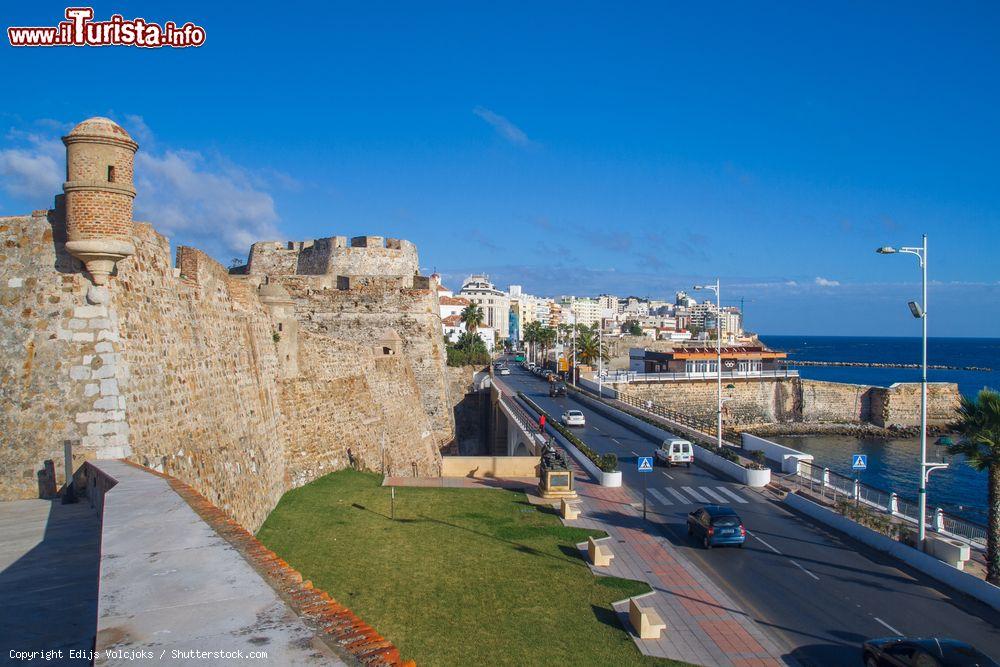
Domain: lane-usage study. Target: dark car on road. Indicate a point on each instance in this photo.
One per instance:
(923, 652)
(557, 389)
(716, 525)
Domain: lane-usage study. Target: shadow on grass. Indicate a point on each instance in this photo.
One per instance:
(524, 548)
(572, 552)
(384, 516)
(606, 616)
(544, 509)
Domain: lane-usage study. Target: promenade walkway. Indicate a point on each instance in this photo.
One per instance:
(170, 582)
(49, 561)
(704, 626)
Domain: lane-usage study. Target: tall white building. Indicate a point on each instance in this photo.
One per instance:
(495, 303)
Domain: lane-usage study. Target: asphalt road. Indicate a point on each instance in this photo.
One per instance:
(820, 593)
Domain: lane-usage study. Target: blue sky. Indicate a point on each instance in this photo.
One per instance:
(574, 148)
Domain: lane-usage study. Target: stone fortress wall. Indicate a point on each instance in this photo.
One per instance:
(243, 386)
(763, 401)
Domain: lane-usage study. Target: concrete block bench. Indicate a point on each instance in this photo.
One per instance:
(569, 510)
(952, 552)
(600, 555)
(645, 620)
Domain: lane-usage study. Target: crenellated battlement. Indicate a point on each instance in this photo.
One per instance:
(335, 255)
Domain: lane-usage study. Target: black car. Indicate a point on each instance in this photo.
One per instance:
(557, 389)
(923, 652)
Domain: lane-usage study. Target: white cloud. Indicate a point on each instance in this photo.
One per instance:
(504, 127)
(207, 201)
(825, 282)
(35, 169)
(195, 198)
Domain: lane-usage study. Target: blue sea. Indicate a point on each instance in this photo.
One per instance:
(893, 464)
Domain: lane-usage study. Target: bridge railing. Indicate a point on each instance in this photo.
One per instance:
(837, 487)
(631, 377)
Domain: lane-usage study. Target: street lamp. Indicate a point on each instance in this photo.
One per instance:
(718, 347)
(919, 311)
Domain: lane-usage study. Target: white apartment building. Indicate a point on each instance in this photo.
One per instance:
(495, 303)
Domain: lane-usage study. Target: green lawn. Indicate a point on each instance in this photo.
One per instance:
(460, 577)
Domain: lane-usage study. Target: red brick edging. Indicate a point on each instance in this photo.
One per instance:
(335, 620)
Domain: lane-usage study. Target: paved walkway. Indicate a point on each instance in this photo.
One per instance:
(170, 582)
(49, 560)
(704, 626)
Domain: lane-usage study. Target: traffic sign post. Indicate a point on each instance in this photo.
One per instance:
(858, 463)
(645, 465)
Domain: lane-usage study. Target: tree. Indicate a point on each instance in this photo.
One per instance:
(472, 316)
(470, 341)
(979, 427)
(546, 338)
(634, 329)
(589, 347)
(532, 335)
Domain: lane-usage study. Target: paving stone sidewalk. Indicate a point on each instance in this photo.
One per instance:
(704, 626)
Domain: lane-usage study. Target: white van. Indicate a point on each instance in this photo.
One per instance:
(675, 451)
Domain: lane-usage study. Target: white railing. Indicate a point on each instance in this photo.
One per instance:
(834, 486)
(633, 376)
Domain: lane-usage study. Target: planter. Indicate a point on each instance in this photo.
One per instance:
(612, 479)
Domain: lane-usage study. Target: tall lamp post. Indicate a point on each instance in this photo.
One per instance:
(920, 311)
(718, 348)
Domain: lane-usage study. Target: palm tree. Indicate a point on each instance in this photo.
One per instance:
(546, 337)
(472, 316)
(589, 347)
(979, 425)
(532, 335)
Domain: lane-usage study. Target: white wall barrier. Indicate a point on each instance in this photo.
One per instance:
(788, 458)
(929, 565)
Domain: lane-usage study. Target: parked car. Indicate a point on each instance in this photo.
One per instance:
(675, 451)
(716, 525)
(504, 370)
(557, 389)
(932, 652)
(573, 418)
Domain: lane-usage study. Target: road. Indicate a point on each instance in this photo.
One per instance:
(819, 593)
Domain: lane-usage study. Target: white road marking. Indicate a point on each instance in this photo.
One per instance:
(615, 440)
(731, 494)
(804, 570)
(708, 492)
(669, 476)
(891, 629)
(694, 494)
(679, 497)
(635, 452)
(659, 496)
(764, 543)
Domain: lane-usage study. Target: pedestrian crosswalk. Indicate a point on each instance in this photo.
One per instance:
(702, 495)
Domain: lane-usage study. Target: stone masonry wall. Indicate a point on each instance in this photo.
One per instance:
(202, 399)
(349, 406)
(754, 401)
(177, 369)
(335, 256)
(363, 315)
(779, 400)
(59, 370)
(899, 404)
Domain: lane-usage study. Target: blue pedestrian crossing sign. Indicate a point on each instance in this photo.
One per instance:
(645, 464)
(860, 461)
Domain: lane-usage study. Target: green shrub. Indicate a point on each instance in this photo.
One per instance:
(457, 357)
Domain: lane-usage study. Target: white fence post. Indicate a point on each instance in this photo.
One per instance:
(893, 503)
(938, 520)
(857, 490)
